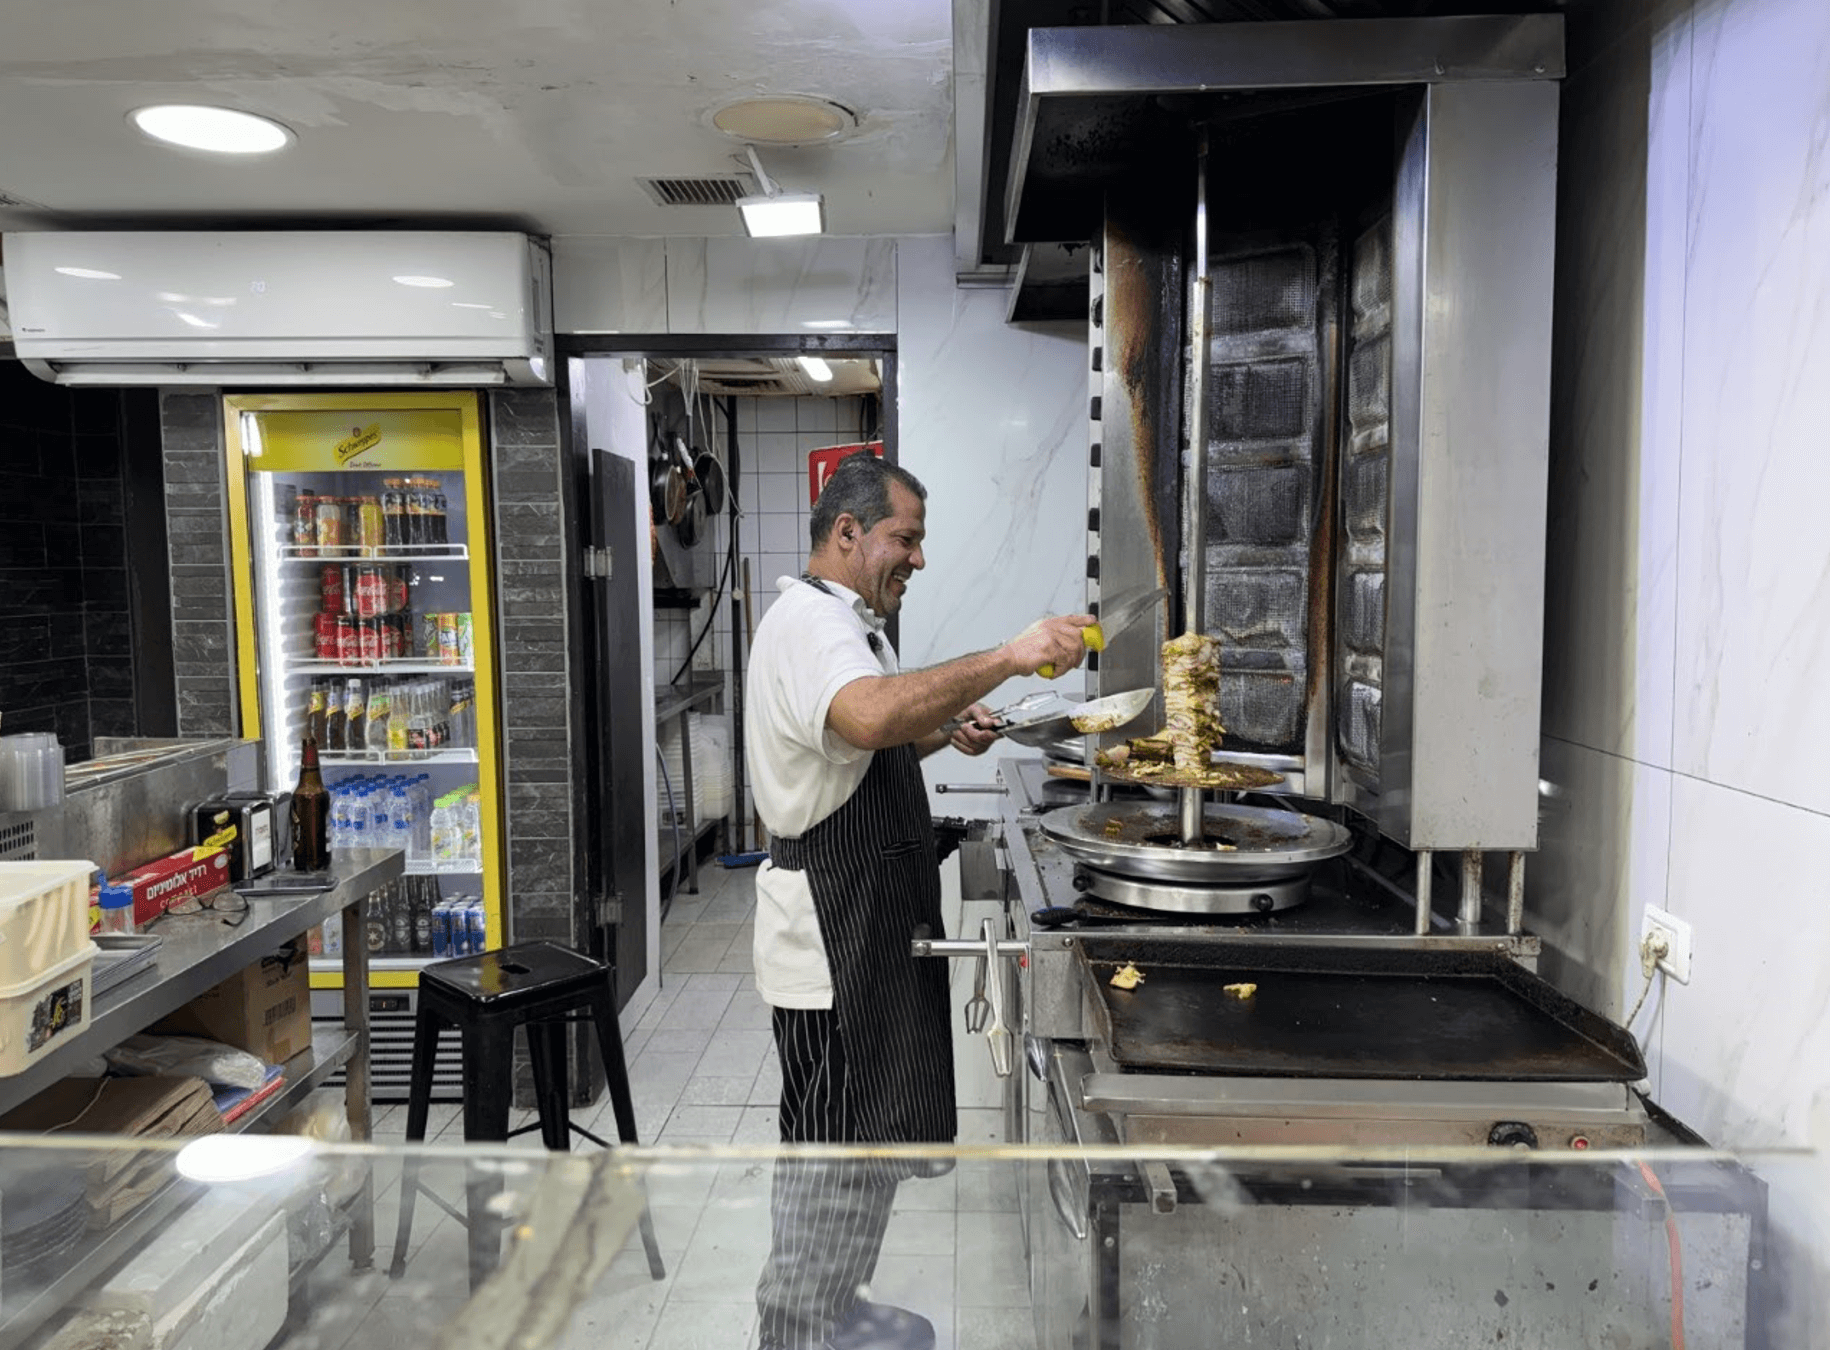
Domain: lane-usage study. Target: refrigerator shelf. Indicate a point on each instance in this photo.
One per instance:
(319, 553)
(454, 756)
(398, 666)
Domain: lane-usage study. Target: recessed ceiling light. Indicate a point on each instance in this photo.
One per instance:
(825, 323)
(223, 130)
(430, 282)
(785, 119)
(87, 273)
(816, 368)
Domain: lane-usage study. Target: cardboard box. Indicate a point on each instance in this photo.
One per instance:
(265, 1010)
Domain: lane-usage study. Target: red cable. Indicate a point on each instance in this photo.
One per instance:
(1673, 1244)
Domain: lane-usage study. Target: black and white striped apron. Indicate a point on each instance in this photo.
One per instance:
(877, 1067)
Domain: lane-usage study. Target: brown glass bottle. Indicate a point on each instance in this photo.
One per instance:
(310, 814)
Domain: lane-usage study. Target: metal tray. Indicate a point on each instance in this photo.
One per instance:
(120, 958)
(1337, 1012)
(1127, 837)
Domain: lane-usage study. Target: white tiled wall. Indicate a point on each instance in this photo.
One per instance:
(1688, 634)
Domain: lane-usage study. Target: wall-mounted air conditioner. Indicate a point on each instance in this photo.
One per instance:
(281, 308)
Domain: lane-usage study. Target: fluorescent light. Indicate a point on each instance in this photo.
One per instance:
(221, 130)
(816, 368)
(435, 283)
(87, 273)
(825, 323)
(783, 214)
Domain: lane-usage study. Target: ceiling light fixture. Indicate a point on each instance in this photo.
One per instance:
(777, 213)
(784, 119)
(430, 283)
(816, 369)
(223, 131)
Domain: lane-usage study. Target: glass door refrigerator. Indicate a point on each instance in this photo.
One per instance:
(361, 554)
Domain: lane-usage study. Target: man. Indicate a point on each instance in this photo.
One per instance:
(833, 733)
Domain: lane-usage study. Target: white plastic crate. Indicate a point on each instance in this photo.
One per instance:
(44, 917)
(46, 958)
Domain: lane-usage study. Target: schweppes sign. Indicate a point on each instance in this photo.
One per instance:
(311, 440)
(359, 439)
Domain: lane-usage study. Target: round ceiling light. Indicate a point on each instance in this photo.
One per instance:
(222, 130)
(785, 119)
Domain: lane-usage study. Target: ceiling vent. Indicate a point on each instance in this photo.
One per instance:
(781, 377)
(707, 190)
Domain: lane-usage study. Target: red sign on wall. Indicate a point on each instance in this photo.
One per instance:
(821, 463)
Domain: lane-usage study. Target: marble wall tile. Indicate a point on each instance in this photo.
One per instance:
(1610, 614)
(1747, 1041)
(994, 422)
(609, 284)
(1754, 586)
(1604, 835)
(824, 284)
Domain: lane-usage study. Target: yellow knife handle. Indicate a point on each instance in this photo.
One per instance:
(1095, 638)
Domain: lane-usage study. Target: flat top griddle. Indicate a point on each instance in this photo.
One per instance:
(1348, 1013)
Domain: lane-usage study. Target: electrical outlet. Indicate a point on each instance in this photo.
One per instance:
(1676, 960)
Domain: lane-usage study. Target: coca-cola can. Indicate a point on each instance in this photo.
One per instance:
(326, 637)
(349, 646)
(396, 578)
(390, 637)
(371, 593)
(330, 588)
(368, 633)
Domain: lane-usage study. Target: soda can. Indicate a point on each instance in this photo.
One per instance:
(441, 929)
(368, 632)
(371, 592)
(466, 640)
(349, 645)
(447, 640)
(397, 583)
(428, 636)
(326, 644)
(330, 588)
(476, 923)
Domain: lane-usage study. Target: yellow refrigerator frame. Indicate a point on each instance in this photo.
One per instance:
(406, 432)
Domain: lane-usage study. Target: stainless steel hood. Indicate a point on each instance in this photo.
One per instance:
(1106, 105)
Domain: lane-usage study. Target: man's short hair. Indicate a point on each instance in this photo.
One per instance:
(859, 488)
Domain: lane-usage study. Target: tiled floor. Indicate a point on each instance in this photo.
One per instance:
(704, 1071)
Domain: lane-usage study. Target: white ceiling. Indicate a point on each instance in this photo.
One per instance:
(529, 114)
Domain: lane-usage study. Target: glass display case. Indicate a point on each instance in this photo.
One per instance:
(251, 1242)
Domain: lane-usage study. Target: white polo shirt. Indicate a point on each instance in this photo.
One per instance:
(809, 646)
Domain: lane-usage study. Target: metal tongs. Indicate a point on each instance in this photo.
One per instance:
(985, 1012)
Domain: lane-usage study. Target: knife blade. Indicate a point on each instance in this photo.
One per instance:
(1114, 619)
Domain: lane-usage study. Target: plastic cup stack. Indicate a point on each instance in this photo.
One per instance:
(31, 771)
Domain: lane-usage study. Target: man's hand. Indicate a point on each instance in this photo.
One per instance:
(974, 736)
(1053, 642)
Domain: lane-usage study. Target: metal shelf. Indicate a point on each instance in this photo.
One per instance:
(323, 553)
(330, 758)
(675, 699)
(331, 1049)
(198, 953)
(438, 869)
(313, 665)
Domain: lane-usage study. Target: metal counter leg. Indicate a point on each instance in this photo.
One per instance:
(356, 1076)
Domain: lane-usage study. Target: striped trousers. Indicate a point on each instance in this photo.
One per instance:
(827, 1217)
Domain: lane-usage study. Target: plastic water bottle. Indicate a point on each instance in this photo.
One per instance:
(470, 819)
(445, 838)
(400, 816)
(359, 817)
(339, 817)
(419, 793)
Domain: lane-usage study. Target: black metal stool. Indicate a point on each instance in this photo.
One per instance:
(543, 988)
